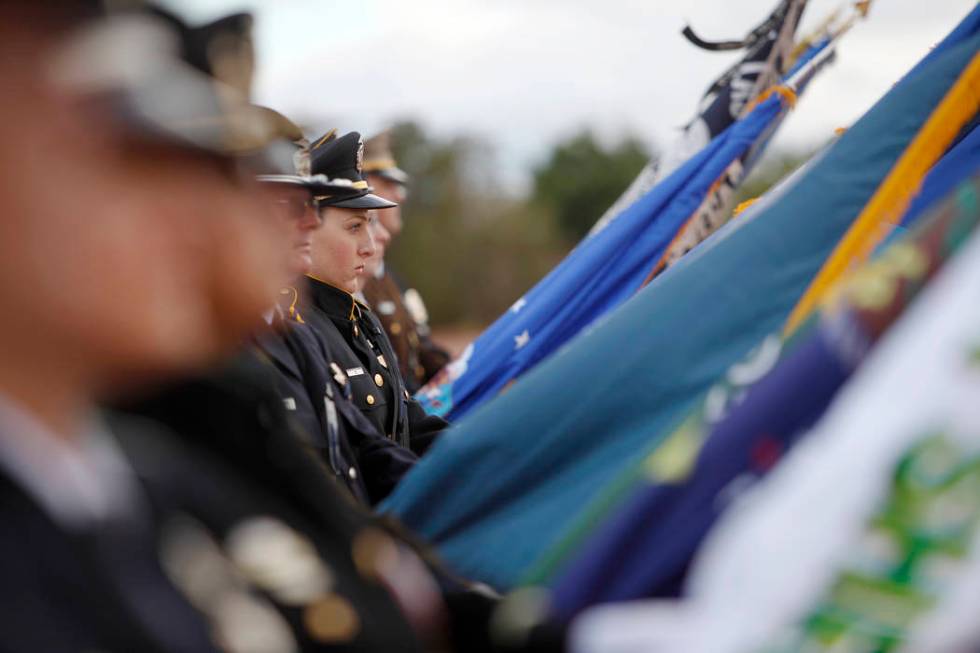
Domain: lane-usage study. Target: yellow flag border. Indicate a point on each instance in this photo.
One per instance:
(893, 196)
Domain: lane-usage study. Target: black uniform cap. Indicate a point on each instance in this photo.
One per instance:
(341, 159)
(286, 161)
(139, 64)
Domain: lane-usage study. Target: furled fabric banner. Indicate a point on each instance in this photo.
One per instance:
(500, 486)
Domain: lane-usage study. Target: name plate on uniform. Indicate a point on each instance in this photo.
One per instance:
(355, 371)
(290, 403)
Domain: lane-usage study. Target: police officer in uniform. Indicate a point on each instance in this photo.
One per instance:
(313, 400)
(402, 313)
(119, 536)
(315, 393)
(357, 343)
(314, 397)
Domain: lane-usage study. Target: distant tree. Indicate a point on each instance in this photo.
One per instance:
(428, 252)
(469, 250)
(472, 251)
(581, 179)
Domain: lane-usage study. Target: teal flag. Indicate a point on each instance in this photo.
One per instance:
(501, 485)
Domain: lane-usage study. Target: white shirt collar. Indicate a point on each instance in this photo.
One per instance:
(79, 482)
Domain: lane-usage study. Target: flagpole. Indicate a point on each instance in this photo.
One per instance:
(810, 68)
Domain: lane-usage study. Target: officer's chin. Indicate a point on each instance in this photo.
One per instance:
(353, 287)
(302, 264)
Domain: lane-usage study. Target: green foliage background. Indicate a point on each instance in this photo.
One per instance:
(472, 250)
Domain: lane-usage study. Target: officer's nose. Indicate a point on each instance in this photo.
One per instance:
(311, 219)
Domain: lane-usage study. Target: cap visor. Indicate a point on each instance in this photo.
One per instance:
(368, 201)
(291, 180)
(396, 175)
(336, 191)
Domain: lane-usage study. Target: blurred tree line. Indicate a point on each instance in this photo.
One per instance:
(472, 249)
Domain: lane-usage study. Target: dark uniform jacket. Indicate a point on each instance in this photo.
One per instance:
(358, 345)
(236, 415)
(210, 561)
(318, 399)
(419, 359)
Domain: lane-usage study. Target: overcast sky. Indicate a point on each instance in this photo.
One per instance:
(526, 73)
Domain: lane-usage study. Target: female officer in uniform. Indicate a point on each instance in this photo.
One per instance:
(358, 344)
(349, 446)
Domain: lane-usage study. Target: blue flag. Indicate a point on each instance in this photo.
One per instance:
(962, 161)
(500, 486)
(601, 273)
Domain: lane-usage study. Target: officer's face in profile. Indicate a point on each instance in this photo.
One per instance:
(389, 190)
(292, 213)
(250, 261)
(106, 242)
(342, 247)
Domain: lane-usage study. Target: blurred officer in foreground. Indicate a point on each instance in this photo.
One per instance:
(356, 340)
(117, 536)
(401, 311)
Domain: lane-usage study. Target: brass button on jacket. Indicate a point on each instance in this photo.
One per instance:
(355, 340)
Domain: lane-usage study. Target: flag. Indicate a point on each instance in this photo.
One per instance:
(592, 280)
(643, 548)
(768, 53)
(877, 219)
(716, 209)
(498, 487)
(961, 162)
(958, 164)
(684, 444)
(811, 55)
(603, 272)
(866, 537)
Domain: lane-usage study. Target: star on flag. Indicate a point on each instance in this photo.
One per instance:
(522, 339)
